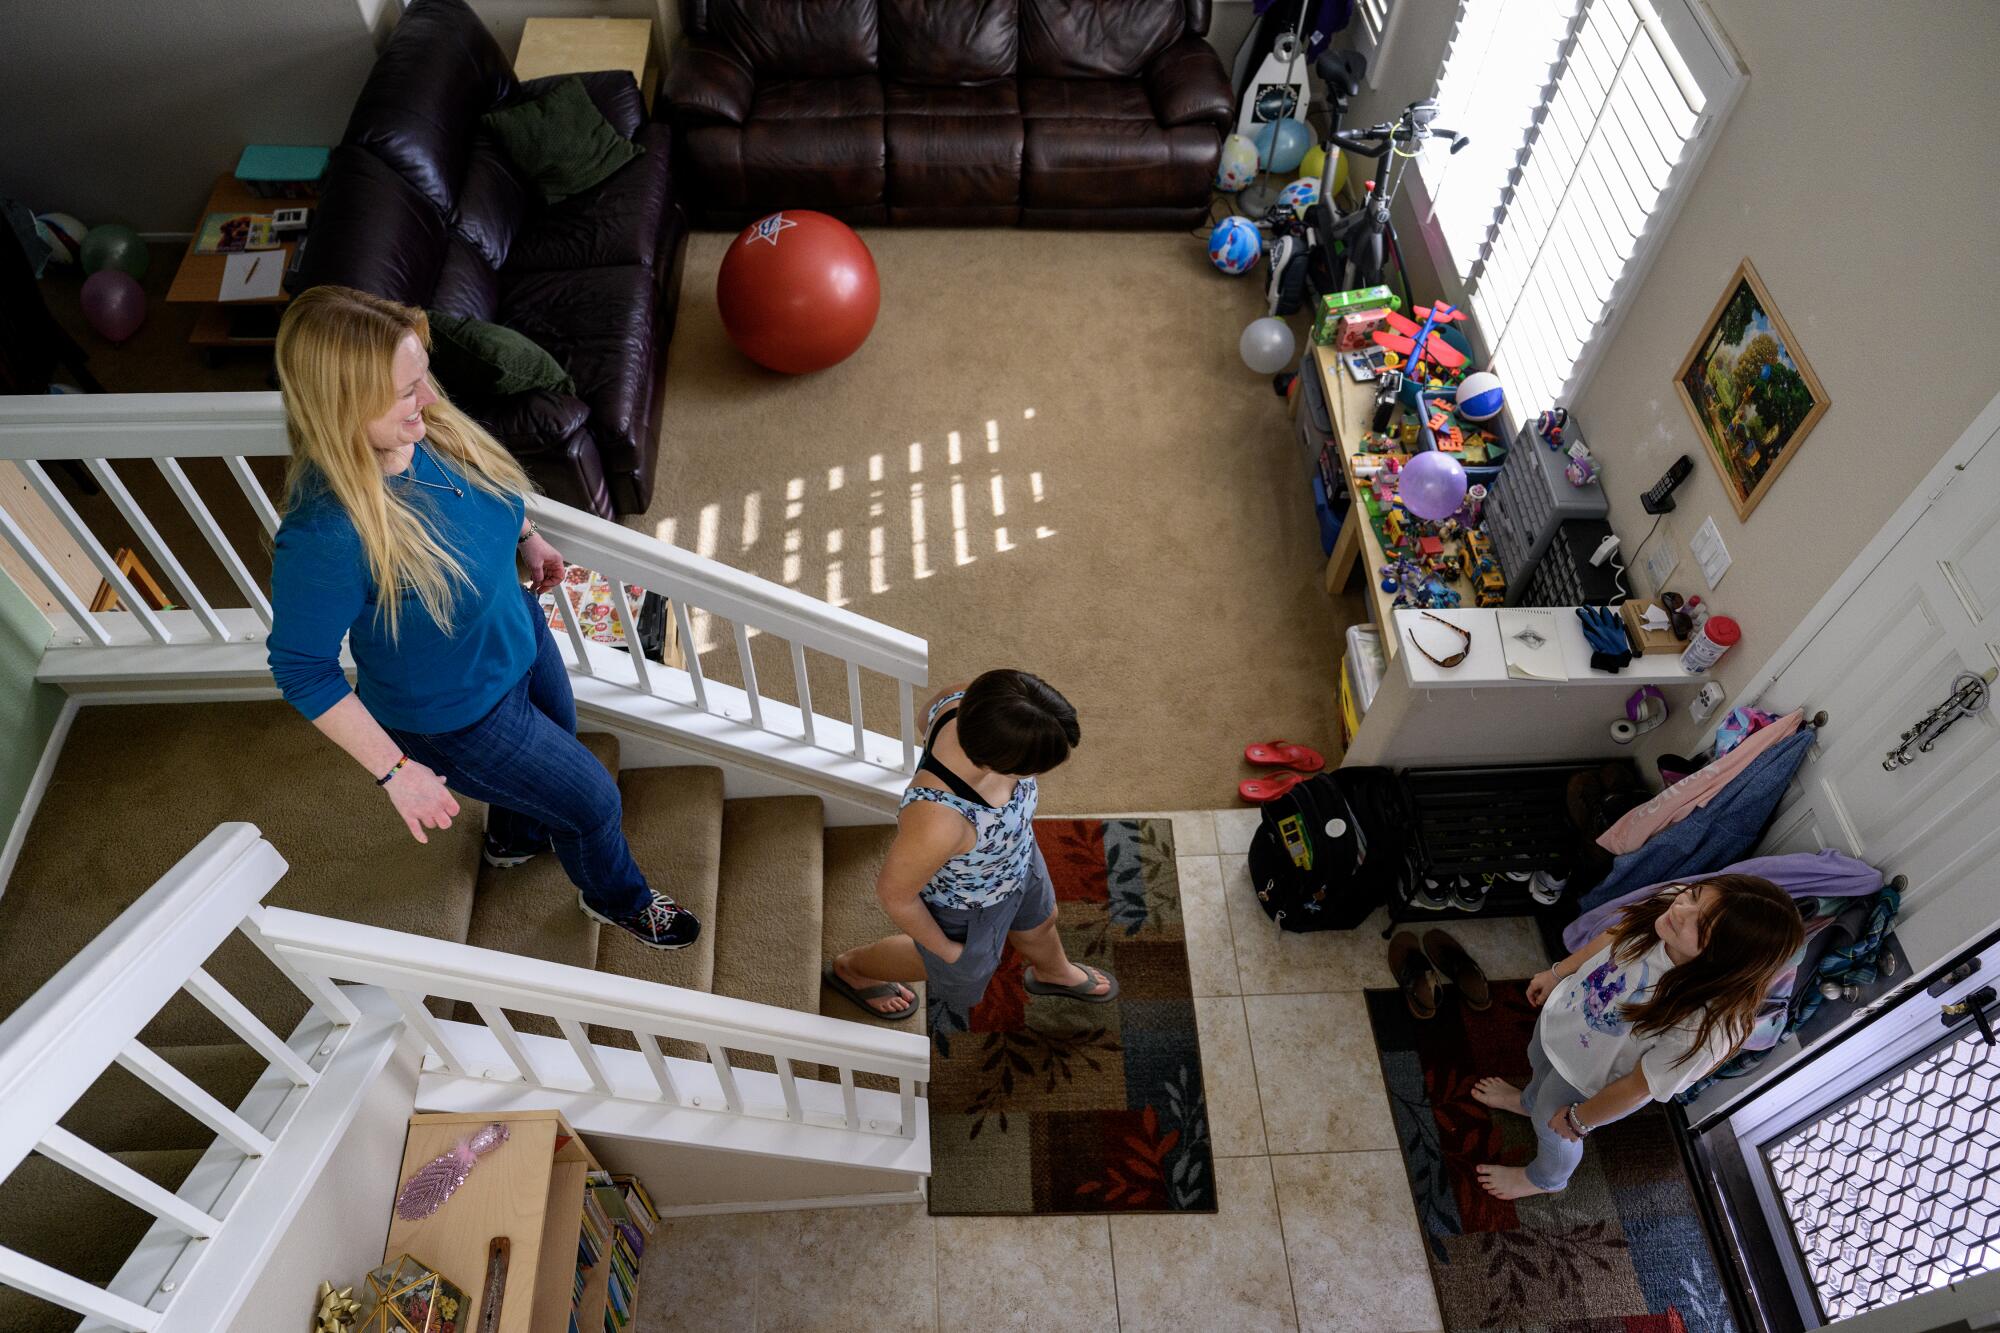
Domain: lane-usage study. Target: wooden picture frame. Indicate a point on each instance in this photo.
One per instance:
(1727, 383)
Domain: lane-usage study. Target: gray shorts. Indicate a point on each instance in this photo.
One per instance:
(983, 931)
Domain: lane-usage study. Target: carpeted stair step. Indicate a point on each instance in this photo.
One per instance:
(138, 785)
(48, 1212)
(118, 1113)
(852, 918)
(531, 909)
(673, 819)
(767, 924)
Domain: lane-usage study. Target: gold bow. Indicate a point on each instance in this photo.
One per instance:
(337, 1310)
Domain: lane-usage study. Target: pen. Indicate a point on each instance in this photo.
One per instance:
(253, 269)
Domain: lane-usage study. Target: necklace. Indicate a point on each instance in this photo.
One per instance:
(447, 485)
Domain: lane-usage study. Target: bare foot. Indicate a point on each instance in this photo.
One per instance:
(1508, 1182)
(1499, 1094)
(888, 1006)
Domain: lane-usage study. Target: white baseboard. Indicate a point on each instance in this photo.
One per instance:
(790, 1205)
(31, 801)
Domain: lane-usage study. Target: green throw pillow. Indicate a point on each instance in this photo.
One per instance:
(472, 358)
(560, 141)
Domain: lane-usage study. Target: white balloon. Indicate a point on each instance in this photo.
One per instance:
(1267, 345)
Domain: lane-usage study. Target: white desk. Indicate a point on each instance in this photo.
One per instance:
(1485, 666)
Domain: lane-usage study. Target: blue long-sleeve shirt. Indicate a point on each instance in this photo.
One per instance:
(424, 680)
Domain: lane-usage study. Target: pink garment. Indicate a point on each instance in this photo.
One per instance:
(1695, 790)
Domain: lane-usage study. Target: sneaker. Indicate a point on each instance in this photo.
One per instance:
(1546, 889)
(661, 924)
(506, 858)
(1469, 895)
(1430, 895)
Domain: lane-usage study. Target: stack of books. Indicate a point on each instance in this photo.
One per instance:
(618, 1216)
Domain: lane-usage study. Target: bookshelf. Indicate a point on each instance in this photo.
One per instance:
(534, 1190)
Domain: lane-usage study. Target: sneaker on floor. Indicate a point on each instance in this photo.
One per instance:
(1468, 894)
(661, 924)
(1430, 895)
(506, 858)
(1545, 888)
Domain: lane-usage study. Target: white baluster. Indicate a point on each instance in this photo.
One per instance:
(805, 692)
(907, 705)
(649, 1046)
(849, 1103)
(249, 1027)
(59, 505)
(570, 623)
(323, 992)
(692, 652)
(52, 579)
(239, 573)
(908, 1088)
(260, 503)
(788, 1083)
(102, 1169)
(621, 603)
(726, 1076)
(503, 1032)
(854, 709)
(426, 1027)
(586, 1054)
(17, 1270)
(191, 1097)
(749, 675)
(156, 546)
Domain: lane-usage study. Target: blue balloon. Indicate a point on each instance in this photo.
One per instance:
(1292, 141)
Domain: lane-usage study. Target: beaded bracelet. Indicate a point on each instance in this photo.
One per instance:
(383, 781)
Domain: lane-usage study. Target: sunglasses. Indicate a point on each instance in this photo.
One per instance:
(1456, 657)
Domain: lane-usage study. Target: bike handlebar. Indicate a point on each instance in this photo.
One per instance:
(1380, 140)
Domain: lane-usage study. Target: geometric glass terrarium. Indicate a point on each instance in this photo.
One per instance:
(408, 1297)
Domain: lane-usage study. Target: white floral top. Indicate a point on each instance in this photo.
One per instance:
(1003, 849)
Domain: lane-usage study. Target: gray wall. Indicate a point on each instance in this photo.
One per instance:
(1856, 176)
(126, 112)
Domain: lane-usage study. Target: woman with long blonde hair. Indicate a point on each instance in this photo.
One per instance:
(1639, 1013)
(406, 532)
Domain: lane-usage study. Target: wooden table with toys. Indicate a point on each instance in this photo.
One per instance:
(1376, 531)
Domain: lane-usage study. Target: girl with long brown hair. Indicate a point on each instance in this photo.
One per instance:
(406, 533)
(1639, 1013)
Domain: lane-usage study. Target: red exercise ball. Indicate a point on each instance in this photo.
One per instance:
(798, 292)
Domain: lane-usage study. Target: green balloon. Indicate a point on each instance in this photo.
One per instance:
(114, 245)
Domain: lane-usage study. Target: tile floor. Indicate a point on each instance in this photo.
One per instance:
(1315, 1229)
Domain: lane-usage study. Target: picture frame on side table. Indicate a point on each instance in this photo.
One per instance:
(1751, 393)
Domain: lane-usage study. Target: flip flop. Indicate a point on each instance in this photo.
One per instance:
(1284, 754)
(861, 995)
(1262, 791)
(1080, 991)
(1448, 956)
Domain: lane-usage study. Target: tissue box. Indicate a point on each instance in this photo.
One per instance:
(1649, 640)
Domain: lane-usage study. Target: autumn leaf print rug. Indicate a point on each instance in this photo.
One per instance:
(1042, 1105)
(1619, 1251)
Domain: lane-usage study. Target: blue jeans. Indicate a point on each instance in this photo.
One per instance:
(523, 759)
(1556, 1157)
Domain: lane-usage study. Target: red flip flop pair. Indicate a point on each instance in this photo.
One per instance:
(1297, 763)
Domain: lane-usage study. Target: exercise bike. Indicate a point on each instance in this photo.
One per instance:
(1352, 248)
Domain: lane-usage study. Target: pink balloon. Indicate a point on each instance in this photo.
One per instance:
(1432, 485)
(114, 303)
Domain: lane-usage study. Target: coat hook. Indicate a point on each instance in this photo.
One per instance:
(1819, 720)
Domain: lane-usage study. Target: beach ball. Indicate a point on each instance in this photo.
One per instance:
(1238, 165)
(63, 234)
(1234, 245)
(1480, 397)
(1281, 145)
(798, 292)
(1300, 195)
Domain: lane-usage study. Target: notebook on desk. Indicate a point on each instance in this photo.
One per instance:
(252, 277)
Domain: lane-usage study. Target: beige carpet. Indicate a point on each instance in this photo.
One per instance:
(1108, 497)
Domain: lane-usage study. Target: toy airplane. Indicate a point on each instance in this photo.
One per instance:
(1408, 336)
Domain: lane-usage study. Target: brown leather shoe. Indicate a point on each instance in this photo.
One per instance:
(1414, 973)
(1459, 968)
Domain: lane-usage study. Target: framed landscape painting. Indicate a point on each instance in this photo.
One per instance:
(1752, 395)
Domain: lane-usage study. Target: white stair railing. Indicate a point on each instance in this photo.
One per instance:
(222, 1223)
(121, 440)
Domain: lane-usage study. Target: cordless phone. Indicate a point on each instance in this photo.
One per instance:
(1660, 499)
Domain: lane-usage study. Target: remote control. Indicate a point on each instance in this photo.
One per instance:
(1660, 499)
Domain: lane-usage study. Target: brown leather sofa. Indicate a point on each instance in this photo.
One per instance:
(1064, 113)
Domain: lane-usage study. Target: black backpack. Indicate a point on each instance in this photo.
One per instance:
(1329, 851)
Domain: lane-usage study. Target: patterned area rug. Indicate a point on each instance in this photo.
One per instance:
(1620, 1251)
(1042, 1105)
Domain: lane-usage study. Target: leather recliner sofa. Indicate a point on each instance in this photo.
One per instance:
(423, 206)
(1064, 113)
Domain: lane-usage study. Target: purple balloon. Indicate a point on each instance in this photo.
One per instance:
(1432, 485)
(114, 303)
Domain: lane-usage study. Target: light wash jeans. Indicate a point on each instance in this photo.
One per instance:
(1548, 1092)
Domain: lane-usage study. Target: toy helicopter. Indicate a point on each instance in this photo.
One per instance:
(1408, 336)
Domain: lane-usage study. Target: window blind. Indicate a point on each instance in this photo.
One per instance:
(1594, 115)
(1374, 22)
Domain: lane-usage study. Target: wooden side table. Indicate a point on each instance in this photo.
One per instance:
(580, 46)
(198, 281)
